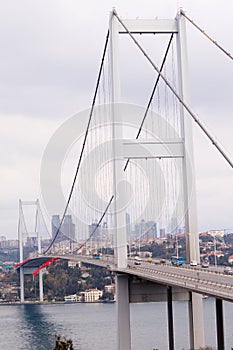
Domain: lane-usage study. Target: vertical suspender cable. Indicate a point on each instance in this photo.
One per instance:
(97, 225)
(84, 143)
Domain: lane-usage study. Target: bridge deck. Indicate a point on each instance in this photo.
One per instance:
(199, 280)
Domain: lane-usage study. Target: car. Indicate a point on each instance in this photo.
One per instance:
(228, 271)
(137, 260)
(193, 263)
(205, 264)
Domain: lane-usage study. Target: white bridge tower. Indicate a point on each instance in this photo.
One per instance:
(182, 148)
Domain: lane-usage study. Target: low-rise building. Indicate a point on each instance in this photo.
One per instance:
(91, 295)
(73, 263)
(72, 298)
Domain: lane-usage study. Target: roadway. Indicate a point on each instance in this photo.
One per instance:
(208, 281)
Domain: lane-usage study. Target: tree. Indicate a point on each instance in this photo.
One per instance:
(65, 344)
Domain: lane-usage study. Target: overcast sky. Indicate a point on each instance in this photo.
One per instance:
(50, 55)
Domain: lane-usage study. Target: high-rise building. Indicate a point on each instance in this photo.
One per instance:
(31, 242)
(127, 221)
(146, 229)
(68, 228)
(151, 229)
(55, 224)
(94, 231)
(173, 225)
(162, 232)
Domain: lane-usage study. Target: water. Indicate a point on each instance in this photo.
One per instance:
(93, 326)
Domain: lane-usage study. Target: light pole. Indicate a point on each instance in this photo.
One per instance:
(215, 257)
(177, 247)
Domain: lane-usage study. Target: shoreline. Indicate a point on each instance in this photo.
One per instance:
(8, 303)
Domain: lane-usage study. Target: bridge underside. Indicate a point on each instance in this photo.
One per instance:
(35, 262)
(133, 289)
(145, 291)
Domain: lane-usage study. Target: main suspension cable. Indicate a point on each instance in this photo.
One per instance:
(152, 95)
(204, 33)
(180, 99)
(83, 145)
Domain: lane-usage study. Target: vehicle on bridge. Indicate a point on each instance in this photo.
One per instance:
(205, 263)
(228, 270)
(96, 256)
(137, 260)
(177, 260)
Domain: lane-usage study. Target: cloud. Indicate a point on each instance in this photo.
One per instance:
(50, 56)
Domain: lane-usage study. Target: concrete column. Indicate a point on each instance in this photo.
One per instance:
(219, 321)
(123, 313)
(41, 285)
(21, 277)
(21, 271)
(170, 318)
(39, 252)
(196, 323)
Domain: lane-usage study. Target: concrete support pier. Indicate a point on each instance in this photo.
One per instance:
(170, 319)
(196, 321)
(220, 326)
(21, 278)
(123, 313)
(41, 289)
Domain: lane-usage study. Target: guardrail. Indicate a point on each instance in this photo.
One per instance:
(200, 280)
(195, 284)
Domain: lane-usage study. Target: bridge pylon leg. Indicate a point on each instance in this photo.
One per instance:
(123, 313)
(219, 321)
(196, 321)
(21, 278)
(170, 319)
(41, 286)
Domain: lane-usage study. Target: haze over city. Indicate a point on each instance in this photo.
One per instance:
(50, 55)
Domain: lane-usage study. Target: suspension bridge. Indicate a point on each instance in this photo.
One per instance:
(134, 178)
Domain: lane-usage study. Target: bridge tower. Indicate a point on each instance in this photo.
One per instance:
(176, 27)
(34, 237)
